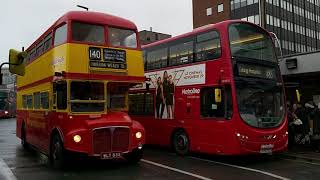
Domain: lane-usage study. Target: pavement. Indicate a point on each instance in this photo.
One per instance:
(304, 155)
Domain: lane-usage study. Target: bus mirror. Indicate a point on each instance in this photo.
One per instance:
(16, 62)
(298, 95)
(217, 95)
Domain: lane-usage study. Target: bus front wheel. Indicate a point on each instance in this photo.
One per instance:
(181, 142)
(134, 157)
(57, 158)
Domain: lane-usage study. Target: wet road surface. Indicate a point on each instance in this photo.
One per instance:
(158, 163)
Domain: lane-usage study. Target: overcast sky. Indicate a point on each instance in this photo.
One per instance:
(23, 21)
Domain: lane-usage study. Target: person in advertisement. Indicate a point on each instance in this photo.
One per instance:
(159, 99)
(165, 96)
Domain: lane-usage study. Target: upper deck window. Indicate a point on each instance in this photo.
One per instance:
(60, 35)
(122, 38)
(208, 46)
(181, 53)
(88, 33)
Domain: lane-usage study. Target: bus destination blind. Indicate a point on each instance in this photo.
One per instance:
(256, 71)
(110, 58)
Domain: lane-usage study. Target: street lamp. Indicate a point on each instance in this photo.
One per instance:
(83, 7)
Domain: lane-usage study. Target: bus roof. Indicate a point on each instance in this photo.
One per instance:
(196, 31)
(90, 17)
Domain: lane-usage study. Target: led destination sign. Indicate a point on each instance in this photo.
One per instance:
(110, 58)
(256, 71)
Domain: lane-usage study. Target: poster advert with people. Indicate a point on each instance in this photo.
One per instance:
(165, 83)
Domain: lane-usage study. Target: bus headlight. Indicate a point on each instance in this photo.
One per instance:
(76, 138)
(138, 135)
(6, 112)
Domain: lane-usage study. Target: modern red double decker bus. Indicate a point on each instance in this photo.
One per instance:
(217, 90)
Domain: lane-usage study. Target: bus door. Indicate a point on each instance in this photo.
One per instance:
(215, 115)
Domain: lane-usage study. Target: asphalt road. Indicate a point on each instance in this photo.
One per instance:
(158, 163)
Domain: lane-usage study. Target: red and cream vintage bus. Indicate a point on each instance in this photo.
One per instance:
(217, 90)
(73, 88)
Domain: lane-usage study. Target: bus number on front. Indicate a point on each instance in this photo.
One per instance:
(94, 53)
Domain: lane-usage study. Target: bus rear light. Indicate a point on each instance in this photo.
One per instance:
(77, 138)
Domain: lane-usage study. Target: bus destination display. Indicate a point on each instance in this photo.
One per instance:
(111, 58)
(256, 71)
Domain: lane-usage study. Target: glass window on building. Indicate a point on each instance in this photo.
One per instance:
(249, 2)
(257, 19)
(220, 8)
(209, 11)
(243, 3)
(236, 4)
(232, 5)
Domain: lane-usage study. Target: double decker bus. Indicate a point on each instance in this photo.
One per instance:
(216, 90)
(72, 88)
(7, 103)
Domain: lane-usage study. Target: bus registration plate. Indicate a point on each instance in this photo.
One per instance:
(266, 148)
(113, 155)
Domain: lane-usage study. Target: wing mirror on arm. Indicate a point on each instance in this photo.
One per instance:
(16, 62)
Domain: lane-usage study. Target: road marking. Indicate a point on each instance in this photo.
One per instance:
(175, 169)
(306, 162)
(244, 168)
(5, 171)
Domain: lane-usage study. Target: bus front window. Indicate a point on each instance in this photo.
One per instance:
(260, 105)
(88, 33)
(122, 37)
(87, 96)
(248, 41)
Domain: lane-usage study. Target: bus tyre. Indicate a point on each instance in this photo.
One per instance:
(57, 158)
(24, 142)
(181, 143)
(134, 157)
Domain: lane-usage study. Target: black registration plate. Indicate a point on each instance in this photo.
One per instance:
(113, 155)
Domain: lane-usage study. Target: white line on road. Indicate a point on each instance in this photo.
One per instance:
(5, 171)
(175, 169)
(244, 168)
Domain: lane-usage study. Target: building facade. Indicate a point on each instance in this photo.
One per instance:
(147, 37)
(296, 22)
(7, 77)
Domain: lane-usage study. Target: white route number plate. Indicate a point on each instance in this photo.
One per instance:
(266, 148)
(113, 155)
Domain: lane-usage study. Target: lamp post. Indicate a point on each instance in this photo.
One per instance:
(83, 7)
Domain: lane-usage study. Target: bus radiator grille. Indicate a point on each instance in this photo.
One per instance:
(113, 139)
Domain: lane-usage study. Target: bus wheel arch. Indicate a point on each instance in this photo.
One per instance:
(180, 141)
(56, 151)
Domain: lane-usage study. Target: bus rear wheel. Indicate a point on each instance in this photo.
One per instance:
(24, 142)
(134, 157)
(57, 158)
(181, 143)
